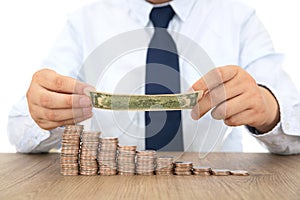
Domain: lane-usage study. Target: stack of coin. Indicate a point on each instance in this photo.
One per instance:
(164, 165)
(88, 154)
(107, 156)
(201, 171)
(145, 162)
(183, 168)
(220, 172)
(70, 149)
(126, 160)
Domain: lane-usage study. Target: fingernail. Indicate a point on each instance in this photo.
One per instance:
(87, 90)
(190, 90)
(86, 111)
(85, 102)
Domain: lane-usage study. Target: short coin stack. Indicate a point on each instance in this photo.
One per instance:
(239, 172)
(164, 165)
(183, 168)
(89, 150)
(70, 150)
(107, 156)
(145, 162)
(126, 160)
(221, 172)
(201, 171)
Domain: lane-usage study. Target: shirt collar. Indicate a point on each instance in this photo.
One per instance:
(142, 8)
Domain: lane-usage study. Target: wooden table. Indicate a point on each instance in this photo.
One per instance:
(38, 177)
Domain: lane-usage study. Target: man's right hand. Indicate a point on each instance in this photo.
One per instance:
(55, 100)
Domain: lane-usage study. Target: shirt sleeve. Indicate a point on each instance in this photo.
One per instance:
(260, 60)
(65, 57)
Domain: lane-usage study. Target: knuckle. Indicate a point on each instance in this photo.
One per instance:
(38, 75)
(69, 101)
(62, 123)
(250, 81)
(213, 95)
(218, 113)
(32, 111)
(59, 83)
(67, 122)
(35, 118)
(43, 125)
(229, 71)
(45, 100)
(232, 121)
(235, 68)
(28, 93)
(218, 95)
(51, 115)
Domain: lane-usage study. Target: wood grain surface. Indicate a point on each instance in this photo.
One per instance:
(38, 177)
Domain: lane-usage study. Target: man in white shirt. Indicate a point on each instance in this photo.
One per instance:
(256, 92)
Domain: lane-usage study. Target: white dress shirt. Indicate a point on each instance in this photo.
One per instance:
(227, 30)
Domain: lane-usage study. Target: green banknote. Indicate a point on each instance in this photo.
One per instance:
(145, 102)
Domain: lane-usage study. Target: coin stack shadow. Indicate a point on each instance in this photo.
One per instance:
(70, 150)
(126, 160)
(145, 162)
(164, 165)
(88, 153)
(107, 156)
(201, 170)
(183, 168)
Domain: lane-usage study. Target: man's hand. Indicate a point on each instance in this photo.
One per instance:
(55, 100)
(237, 99)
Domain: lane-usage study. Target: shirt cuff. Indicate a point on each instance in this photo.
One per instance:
(283, 138)
(52, 142)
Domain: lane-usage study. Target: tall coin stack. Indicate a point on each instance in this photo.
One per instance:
(126, 160)
(70, 150)
(88, 154)
(164, 165)
(145, 162)
(107, 156)
(183, 168)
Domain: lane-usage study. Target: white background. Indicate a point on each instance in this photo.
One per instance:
(28, 28)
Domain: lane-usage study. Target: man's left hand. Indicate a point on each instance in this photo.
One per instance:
(236, 98)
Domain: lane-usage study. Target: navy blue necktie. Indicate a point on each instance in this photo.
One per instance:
(163, 129)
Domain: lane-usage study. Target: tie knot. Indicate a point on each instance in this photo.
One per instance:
(161, 16)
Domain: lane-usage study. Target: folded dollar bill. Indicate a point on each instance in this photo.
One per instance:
(145, 102)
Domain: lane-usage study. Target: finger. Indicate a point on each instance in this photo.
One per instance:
(49, 99)
(200, 108)
(216, 77)
(47, 125)
(57, 115)
(53, 81)
(246, 117)
(231, 107)
(215, 97)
